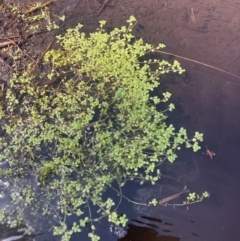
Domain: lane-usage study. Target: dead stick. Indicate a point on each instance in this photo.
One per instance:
(37, 7)
(165, 200)
(93, 123)
(198, 62)
(26, 35)
(195, 118)
(39, 59)
(21, 50)
(4, 44)
(106, 1)
(193, 16)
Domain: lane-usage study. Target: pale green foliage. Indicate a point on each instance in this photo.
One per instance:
(47, 133)
(36, 14)
(193, 197)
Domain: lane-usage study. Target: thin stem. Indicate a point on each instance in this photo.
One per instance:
(120, 198)
(182, 204)
(197, 62)
(48, 203)
(143, 204)
(38, 7)
(90, 213)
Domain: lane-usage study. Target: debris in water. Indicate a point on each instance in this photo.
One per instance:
(209, 153)
(118, 231)
(165, 200)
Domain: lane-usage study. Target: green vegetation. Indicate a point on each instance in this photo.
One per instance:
(87, 126)
(37, 16)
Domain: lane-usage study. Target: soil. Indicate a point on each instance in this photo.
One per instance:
(206, 100)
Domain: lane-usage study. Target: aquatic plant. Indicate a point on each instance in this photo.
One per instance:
(88, 125)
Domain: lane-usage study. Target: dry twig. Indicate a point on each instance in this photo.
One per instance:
(165, 200)
(193, 16)
(104, 4)
(21, 50)
(38, 7)
(198, 62)
(4, 44)
(93, 123)
(39, 59)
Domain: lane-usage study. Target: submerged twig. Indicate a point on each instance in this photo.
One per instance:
(50, 44)
(193, 16)
(39, 59)
(104, 4)
(165, 200)
(198, 62)
(14, 43)
(94, 123)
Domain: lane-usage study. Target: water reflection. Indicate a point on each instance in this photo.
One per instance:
(11, 234)
(153, 229)
(148, 229)
(25, 224)
(68, 6)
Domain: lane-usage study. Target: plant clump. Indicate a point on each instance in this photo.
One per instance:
(89, 125)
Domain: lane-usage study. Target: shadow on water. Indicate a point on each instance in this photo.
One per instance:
(141, 233)
(153, 229)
